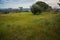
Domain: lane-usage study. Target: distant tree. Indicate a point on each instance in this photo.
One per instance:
(21, 8)
(5, 11)
(39, 7)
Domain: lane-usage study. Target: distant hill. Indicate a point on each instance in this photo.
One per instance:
(24, 9)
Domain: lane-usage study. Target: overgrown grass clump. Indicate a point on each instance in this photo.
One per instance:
(25, 26)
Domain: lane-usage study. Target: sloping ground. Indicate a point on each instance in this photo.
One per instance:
(25, 26)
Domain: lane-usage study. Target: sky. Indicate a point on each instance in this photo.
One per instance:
(25, 3)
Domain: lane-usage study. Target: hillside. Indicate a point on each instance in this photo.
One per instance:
(26, 26)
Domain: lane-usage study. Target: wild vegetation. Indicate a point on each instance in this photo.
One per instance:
(25, 26)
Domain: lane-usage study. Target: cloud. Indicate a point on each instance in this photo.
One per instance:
(52, 3)
(24, 3)
(15, 3)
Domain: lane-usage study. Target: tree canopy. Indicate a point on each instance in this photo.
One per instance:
(39, 6)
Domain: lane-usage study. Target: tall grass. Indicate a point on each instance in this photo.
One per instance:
(25, 26)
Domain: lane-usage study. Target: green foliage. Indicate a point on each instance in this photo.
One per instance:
(43, 6)
(25, 26)
(35, 9)
(40, 6)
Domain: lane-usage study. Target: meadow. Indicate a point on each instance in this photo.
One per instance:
(26, 26)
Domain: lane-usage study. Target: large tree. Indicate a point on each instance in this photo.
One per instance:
(38, 7)
(35, 9)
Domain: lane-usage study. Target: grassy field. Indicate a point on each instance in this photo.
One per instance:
(26, 26)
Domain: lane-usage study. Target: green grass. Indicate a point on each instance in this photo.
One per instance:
(26, 26)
